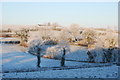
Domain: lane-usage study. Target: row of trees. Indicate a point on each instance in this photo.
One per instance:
(35, 46)
(74, 34)
(89, 35)
(108, 55)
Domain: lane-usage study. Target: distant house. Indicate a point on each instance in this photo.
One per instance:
(42, 25)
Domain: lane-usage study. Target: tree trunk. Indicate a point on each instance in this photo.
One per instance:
(38, 58)
(63, 58)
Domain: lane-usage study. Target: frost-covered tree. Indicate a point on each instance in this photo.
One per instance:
(100, 41)
(45, 33)
(107, 55)
(89, 35)
(63, 35)
(35, 48)
(110, 40)
(23, 35)
(111, 54)
(63, 44)
(59, 51)
(74, 30)
(65, 47)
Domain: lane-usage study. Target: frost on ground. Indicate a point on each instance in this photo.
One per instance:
(13, 59)
(103, 72)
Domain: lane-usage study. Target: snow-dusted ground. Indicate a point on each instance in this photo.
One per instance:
(103, 72)
(20, 61)
(13, 59)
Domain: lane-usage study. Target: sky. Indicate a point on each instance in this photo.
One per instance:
(90, 14)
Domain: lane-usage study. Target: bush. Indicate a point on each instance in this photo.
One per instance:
(74, 31)
(23, 35)
(110, 40)
(103, 55)
(56, 51)
(89, 36)
(53, 52)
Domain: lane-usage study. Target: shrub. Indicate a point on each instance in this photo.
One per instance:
(53, 52)
(74, 31)
(89, 36)
(23, 35)
(103, 55)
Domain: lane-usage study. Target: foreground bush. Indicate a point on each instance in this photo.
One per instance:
(103, 55)
(53, 52)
